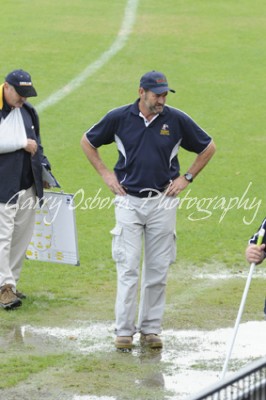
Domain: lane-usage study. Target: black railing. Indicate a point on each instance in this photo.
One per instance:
(249, 383)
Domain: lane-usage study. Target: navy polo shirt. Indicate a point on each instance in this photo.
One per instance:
(147, 155)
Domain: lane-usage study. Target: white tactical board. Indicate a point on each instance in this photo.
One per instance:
(55, 236)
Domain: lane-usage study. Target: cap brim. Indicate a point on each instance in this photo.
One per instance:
(26, 91)
(160, 90)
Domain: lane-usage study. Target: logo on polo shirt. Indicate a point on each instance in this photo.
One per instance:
(165, 130)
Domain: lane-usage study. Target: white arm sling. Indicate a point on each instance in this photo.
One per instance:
(12, 132)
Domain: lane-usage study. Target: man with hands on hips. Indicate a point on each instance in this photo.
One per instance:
(148, 134)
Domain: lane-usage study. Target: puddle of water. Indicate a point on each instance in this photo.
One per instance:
(92, 398)
(200, 355)
(259, 274)
(189, 355)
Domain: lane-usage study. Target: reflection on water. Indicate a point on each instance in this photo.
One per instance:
(147, 356)
(190, 356)
(14, 336)
(151, 356)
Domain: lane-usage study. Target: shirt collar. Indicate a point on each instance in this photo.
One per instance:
(146, 121)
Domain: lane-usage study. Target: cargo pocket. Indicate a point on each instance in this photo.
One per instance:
(118, 248)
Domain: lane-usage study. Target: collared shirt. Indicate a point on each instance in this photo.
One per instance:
(147, 152)
(146, 121)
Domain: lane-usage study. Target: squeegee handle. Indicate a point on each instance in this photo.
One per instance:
(261, 236)
(241, 308)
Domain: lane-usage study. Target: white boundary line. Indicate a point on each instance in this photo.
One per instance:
(118, 44)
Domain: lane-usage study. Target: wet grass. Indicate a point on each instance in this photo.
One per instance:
(192, 303)
(215, 60)
(208, 303)
(123, 375)
(189, 299)
(15, 369)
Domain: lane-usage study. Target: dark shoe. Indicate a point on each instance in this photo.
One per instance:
(124, 342)
(8, 299)
(20, 295)
(151, 340)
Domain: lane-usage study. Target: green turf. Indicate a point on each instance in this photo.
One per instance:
(213, 54)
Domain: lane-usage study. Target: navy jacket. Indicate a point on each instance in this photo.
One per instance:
(11, 164)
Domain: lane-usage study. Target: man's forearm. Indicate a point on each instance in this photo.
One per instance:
(202, 160)
(108, 176)
(93, 156)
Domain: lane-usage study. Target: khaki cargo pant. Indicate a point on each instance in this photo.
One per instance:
(16, 228)
(145, 230)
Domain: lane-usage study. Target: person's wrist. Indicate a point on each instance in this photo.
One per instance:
(189, 177)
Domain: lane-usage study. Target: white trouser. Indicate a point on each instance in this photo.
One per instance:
(16, 228)
(155, 223)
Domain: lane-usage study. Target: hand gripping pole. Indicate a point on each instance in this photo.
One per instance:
(241, 308)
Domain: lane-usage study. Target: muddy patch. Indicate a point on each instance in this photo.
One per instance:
(188, 356)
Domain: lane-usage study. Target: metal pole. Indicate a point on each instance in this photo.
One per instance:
(241, 308)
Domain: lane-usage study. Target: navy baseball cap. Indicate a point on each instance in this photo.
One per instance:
(21, 80)
(156, 82)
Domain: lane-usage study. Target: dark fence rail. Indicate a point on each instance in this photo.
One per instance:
(249, 383)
